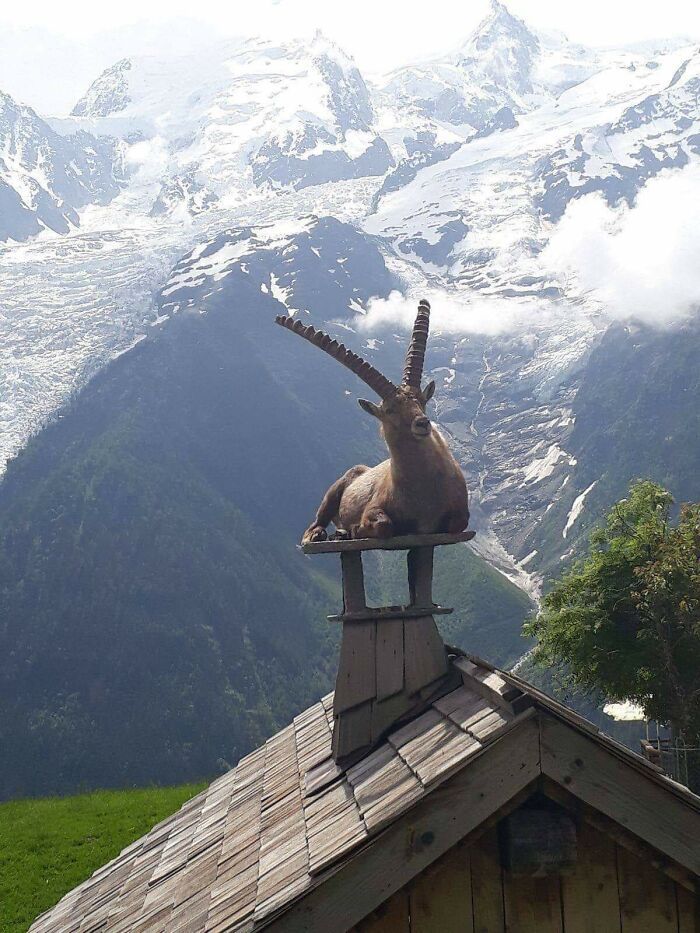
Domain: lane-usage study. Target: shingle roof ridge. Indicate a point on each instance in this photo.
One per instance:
(274, 836)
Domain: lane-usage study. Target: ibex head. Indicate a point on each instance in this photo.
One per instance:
(402, 409)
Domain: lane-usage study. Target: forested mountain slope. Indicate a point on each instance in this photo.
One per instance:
(636, 416)
(157, 619)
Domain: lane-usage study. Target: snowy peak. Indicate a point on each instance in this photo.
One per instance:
(250, 114)
(507, 58)
(501, 54)
(348, 97)
(498, 28)
(108, 94)
(502, 64)
(45, 178)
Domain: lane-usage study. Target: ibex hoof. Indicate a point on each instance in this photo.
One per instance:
(340, 534)
(314, 533)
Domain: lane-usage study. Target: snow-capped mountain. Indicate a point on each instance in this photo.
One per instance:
(503, 64)
(45, 178)
(481, 219)
(253, 115)
(459, 170)
(660, 130)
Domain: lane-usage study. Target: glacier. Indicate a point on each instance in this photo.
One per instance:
(174, 172)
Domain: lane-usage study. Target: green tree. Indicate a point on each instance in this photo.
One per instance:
(625, 620)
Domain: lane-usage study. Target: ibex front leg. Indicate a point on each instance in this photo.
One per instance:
(330, 506)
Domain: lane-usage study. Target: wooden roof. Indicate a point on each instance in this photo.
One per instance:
(261, 840)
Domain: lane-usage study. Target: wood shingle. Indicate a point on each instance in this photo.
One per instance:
(272, 830)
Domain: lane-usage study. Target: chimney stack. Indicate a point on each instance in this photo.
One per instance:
(392, 659)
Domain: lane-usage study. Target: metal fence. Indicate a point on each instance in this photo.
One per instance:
(678, 761)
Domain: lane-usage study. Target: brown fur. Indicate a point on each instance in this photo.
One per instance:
(419, 489)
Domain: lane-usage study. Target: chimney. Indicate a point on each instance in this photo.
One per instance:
(392, 659)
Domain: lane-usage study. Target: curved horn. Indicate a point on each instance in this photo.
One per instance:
(413, 367)
(374, 379)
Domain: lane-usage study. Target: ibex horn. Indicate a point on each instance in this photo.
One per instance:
(413, 367)
(374, 379)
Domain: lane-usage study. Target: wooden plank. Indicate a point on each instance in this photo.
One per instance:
(439, 750)
(532, 905)
(335, 835)
(384, 790)
(352, 731)
(487, 884)
(647, 898)
(320, 776)
(461, 704)
(415, 727)
(488, 684)
(390, 658)
(424, 653)
(589, 895)
(391, 917)
(420, 576)
(618, 834)
(400, 543)
(608, 784)
(431, 827)
(487, 728)
(441, 896)
(354, 599)
(688, 911)
(356, 680)
(386, 713)
(390, 612)
(319, 810)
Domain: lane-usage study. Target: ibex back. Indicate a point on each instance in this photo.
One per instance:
(420, 489)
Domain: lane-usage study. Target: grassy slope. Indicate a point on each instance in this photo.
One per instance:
(48, 846)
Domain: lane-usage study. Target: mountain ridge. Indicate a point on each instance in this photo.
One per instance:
(272, 178)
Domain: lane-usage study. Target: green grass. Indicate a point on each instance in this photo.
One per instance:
(49, 845)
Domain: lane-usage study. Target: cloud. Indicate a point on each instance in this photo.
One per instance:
(452, 312)
(641, 262)
(148, 158)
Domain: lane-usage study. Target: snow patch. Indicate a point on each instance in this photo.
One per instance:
(576, 509)
(543, 467)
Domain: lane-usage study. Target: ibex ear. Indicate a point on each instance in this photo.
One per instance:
(369, 407)
(428, 391)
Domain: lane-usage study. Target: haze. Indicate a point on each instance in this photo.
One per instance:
(74, 41)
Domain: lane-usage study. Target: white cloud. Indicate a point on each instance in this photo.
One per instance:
(149, 159)
(640, 262)
(451, 312)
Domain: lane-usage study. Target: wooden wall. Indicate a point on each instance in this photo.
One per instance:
(610, 891)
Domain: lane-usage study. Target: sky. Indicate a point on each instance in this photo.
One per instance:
(74, 40)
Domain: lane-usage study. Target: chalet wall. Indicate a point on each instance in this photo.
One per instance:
(610, 891)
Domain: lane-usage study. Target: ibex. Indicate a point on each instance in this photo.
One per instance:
(420, 489)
